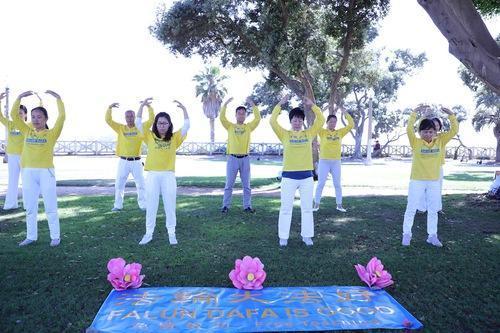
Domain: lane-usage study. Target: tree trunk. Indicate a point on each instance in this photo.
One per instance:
(469, 39)
(496, 132)
(357, 144)
(212, 130)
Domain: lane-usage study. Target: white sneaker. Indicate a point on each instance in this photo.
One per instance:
(283, 242)
(433, 239)
(55, 242)
(115, 209)
(341, 209)
(146, 239)
(308, 241)
(26, 242)
(172, 240)
(315, 206)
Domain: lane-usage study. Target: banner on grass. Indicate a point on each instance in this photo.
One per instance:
(233, 310)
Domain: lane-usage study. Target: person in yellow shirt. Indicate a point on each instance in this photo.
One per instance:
(162, 144)
(297, 169)
(128, 149)
(238, 147)
(15, 141)
(38, 166)
(425, 174)
(329, 157)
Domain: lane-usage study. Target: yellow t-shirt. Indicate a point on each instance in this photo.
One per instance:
(238, 136)
(331, 141)
(161, 154)
(427, 156)
(38, 148)
(129, 138)
(297, 145)
(15, 139)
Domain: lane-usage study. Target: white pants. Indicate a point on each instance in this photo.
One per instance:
(14, 166)
(288, 188)
(423, 191)
(422, 206)
(124, 169)
(164, 183)
(324, 168)
(36, 181)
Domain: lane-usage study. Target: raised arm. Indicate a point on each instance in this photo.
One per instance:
(256, 115)
(410, 131)
(109, 119)
(350, 124)
(186, 125)
(58, 126)
(447, 136)
(319, 120)
(274, 118)
(3, 119)
(16, 119)
(223, 119)
(151, 115)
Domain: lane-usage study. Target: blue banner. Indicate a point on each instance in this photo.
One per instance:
(233, 310)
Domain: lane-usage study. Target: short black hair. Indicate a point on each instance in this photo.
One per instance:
(241, 107)
(22, 107)
(330, 117)
(296, 112)
(439, 122)
(426, 124)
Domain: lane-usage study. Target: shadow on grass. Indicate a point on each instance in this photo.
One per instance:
(470, 176)
(448, 289)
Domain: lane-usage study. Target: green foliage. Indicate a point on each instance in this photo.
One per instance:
(283, 37)
(487, 8)
(210, 85)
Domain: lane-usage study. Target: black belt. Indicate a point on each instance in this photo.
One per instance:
(130, 158)
(239, 156)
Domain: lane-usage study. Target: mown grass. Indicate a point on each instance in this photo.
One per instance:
(214, 182)
(449, 289)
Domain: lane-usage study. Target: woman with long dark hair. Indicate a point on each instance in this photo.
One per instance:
(38, 166)
(162, 143)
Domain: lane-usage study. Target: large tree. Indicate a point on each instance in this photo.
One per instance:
(210, 86)
(284, 37)
(469, 39)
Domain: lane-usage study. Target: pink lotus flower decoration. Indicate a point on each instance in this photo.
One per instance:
(122, 276)
(248, 273)
(374, 274)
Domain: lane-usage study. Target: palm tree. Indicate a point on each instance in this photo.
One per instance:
(210, 87)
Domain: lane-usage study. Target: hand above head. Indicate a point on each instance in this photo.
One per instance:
(53, 94)
(147, 101)
(447, 111)
(284, 99)
(250, 101)
(308, 102)
(180, 105)
(25, 94)
(114, 105)
(229, 100)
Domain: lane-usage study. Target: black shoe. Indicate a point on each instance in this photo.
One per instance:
(224, 209)
(249, 210)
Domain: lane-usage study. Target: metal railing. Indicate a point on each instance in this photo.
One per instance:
(219, 148)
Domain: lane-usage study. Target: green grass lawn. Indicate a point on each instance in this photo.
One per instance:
(449, 289)
(213, 182)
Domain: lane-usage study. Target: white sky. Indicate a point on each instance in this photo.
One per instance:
(98, 52)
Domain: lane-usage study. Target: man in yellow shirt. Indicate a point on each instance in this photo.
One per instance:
(128, 149)
(15, 142)
(238, 147)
